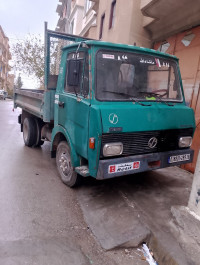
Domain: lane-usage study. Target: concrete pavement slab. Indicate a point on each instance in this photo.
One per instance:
(153, 194)
(111, 220)
(143, 200)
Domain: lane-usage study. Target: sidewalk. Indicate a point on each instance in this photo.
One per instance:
(137, 208)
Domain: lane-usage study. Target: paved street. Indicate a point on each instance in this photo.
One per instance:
(40, 220)
(44, 222)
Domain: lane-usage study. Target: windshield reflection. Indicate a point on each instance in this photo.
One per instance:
(124, 77)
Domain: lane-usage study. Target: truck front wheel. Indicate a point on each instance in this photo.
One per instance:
(64, 166)
(29, 132)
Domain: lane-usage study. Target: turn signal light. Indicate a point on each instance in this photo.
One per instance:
(92, 143)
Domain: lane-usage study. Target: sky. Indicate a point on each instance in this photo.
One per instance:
(21, 17)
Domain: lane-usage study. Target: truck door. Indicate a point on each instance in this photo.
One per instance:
(74, 102)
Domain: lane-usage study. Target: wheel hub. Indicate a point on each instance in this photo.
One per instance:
(64, 164)
(25, 131)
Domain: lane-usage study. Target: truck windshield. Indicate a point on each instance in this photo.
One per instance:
(128, 76)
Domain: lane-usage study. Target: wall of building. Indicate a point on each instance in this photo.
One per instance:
(76, 18)
(128, 23)
(189, 59)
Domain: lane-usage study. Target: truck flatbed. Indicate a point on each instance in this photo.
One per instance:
(37, 102)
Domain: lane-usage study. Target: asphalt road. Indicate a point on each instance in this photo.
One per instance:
(42, 221)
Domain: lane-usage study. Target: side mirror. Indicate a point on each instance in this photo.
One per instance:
(73, 72)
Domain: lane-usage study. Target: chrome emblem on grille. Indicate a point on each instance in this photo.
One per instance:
(152, 142)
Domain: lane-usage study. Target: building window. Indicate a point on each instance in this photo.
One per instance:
(88, 4)
(72, 26)
(112, 14)
(188, 39)
(164, 47)
(101, 26)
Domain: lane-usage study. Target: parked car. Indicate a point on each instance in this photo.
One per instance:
(3, 94)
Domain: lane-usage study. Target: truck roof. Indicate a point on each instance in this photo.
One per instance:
(121, 46)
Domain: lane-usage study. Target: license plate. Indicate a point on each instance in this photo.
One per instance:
(178, 158)
(123, 167)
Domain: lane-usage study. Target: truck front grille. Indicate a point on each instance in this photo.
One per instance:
(137, 142)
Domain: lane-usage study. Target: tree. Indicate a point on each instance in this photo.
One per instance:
(19, 82)
(29, 56)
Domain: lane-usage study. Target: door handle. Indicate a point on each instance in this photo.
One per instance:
(61, 104)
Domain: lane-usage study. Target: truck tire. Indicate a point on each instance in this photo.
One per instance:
(63, 161)
(39, 142)
(29, 132)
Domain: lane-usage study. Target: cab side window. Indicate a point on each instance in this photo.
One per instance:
(77, 74)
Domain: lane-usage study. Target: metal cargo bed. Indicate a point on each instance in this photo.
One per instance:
(40, 103)
(37, 102)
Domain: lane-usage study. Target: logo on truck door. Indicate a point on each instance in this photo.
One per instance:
(113, 118)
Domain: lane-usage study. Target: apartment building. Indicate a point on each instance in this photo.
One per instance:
(76, 16)
(5, 56)
(108, 20)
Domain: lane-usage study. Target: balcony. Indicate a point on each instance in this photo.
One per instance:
(88, 21)
(2, 76)
(9, 56)
(96, 5)
(61, 23)
(164, 18)
(3, 60)
(10, 79)
(59, 9)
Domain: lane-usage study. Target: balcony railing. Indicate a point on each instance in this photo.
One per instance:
(59, 9)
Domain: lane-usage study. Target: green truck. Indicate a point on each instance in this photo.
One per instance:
(112, 110)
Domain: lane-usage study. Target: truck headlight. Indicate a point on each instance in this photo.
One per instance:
(113, 149)
(185, 141)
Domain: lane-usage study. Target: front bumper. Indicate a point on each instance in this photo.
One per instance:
(116, 167)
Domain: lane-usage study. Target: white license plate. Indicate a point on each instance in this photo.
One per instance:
(178, 158)
(123, 167)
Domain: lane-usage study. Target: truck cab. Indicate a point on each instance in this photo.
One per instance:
(122, 109)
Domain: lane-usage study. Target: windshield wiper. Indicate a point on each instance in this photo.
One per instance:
(132, 99)
(142, 104)
(157, 96)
